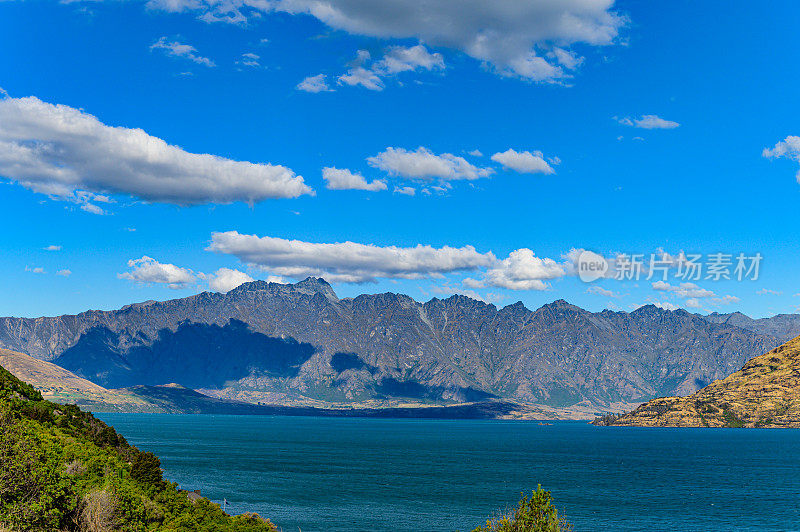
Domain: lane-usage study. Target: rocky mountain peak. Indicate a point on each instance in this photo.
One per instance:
(316, 285)
(308, 286)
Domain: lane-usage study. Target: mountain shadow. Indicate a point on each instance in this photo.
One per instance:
(344, 361)
(391, 387)
(195, 355)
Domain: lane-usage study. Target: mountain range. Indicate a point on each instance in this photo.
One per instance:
(301, 345)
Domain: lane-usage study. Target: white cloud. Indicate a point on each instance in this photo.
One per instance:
(147, 270)
(725, 300)
(64, 273)
(225, 279)
(361, 76)
(528, 39)
(70, 155)
(315, 84)
(693, 303)
(397, 59)
(249, 59)
(768, 292)
(35, 269)
(475, 153)
(788, 148)
(52, 248)
(177, 49)
(344, 179)
(684, 290)
(647, 122)
(92, 208)
(600, 291)
(347, 261)
(522, 270)
(524, 162)
(693, 293)
(424, 164)
(404, 59)
(406, 191)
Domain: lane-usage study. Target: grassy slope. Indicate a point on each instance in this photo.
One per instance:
(62, 386)
(62, 469)
(764, 393)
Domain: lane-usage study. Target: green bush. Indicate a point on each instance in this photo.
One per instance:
(533, 514)
(34, 493)
(63, 469)
(146, 469)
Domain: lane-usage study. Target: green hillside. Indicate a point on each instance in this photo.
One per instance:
(61, 469)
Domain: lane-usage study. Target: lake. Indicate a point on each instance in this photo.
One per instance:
(397, 475)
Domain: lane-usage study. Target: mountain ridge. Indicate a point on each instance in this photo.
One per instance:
(272, 341)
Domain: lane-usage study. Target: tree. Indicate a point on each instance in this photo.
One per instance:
(146, 469)
(533, 514)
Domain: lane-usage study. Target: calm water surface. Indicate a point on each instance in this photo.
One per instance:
(379, 475)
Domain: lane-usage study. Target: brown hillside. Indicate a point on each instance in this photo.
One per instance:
(764, 393)
(60, 385)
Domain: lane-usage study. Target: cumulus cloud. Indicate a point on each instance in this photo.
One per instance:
(147, 270)
(408, 58)
(531, 40)
(225, 279)
(647, 122)
(52, 248)
(64, 273)
(314, 84)
(406, 191)
(788, 148)
(683, 290)
(424, 164)
(524, 162)
(70, 155)
(371, 74)
(768, 292)
(522, 270)
(186, 51)
(361, 76)
(600, 291)
(347, 261)
(693, 294)
(34, 269)
(344, 179)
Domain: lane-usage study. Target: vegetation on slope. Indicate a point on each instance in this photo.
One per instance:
(62, 469)
(764, 393)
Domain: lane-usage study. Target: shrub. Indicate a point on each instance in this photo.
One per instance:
(533, 514)
(98, 512)
(34, 494)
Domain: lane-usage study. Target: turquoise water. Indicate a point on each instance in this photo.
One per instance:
(327, 474)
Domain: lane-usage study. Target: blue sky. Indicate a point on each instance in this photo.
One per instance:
(499, 225)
